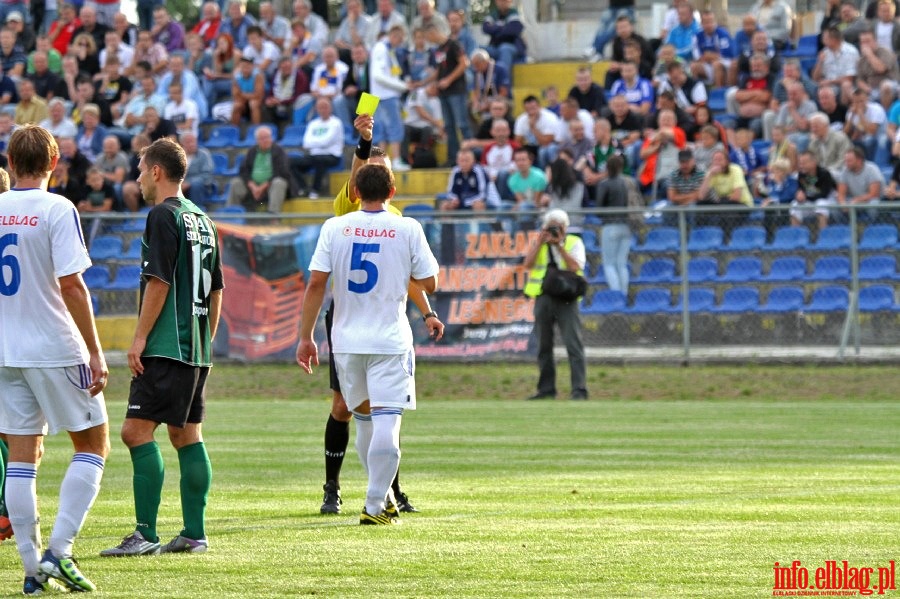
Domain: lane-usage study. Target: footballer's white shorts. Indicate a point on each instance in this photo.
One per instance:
(33, 400)
(387, 381)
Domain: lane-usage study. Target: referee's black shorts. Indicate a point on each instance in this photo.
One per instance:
(334, 383)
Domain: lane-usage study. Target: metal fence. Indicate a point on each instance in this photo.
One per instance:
(701, 281)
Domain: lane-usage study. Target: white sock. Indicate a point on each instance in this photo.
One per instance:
(363, 439)
(76, 496)
(384, 456)
(21, 502)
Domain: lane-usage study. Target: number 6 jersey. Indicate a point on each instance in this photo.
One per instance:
(371, 256)
(40, 241)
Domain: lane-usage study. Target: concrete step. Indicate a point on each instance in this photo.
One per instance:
(532, 79)
(325, 206)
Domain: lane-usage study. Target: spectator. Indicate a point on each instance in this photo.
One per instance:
(328, 78)
(624, 29)
(688, 92)
(505, 30)
(424, 121)
(275, 28)
(609, 29)
(99, 195)
(218, 76)
(198, 185)
(590, 96)
(156, 127)
(827, 145)
(564, 192)
(90, 25)
(527, 182)
(665, 100)
(876, 65)
(851, 23)
(467, 188)
(783, 148)
(62, 30)
(459, 31)
(114, 47)
(670, 20)
(837, 62)
(568, 253)
(569, 114)
(790, 74)
(744, 154)
(684, 186)
(323, 148)
(150, 52)
(702, 118)
(536, 129)
(61, 182)
(107, 11)
(724, 185)
(626, 125)
(304, 49)
(713, 51)
(25, 37)
(683, 35)
(577, 143)
(637, 91)
(760, 45)
(237, 23)
(78, 163)
(865, 124)
(491, 81)
(85, 53)
(352, 31)
(315, 25)
(383, 21)
(387, 85)
(498, 109)
(615, 237)
(182, 111)
(427, 16)
(815, 193)
(248, 89)
(190, 86)
(289, 90)
(860, 182)
(9, 94)
(754, 96)
(57, 123)
(592, 165)
(886, 26)
(208, 25)
(776, 18)
(263, 52)
(131, 192)
(450, 65)
(54, 58)
(113, 164)
(659, 152)
(891, 193)
(31, 108)
(12, 59)
(357, 81)
(792, 116)
(196, 58)
(498, 158)
(265, 176)
(45, 82)
(779, 189)
(127, 31)
(829, 105)
(134, 118)
(664, 58)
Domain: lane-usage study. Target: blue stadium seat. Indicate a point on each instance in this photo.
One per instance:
(660, 239)
(658, 270)
(219, 199)
(789, 238)
(808, 64)
(716, 99)
(96, 277)
(249, 138)
(606, 301)
(831, 298)
(876, 298)
(700, 299)
(95, 304)
(416, 210)
(742, 270)
(292, 136)
(787, 268)
(833, 237)
(106, 247)
(830, 268)
(737, 300)
(591, 244)
(745, 239)
(128, 278)
(222, 136)
(220, 163)
(807, 47)
(878, 237)
(134, 250)
(878, 267)
(230, 214)
(597, 277)
(700, 270)
(651, 301)
(783, 299)
(705, 239)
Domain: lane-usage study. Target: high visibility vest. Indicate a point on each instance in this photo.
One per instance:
(536, 276)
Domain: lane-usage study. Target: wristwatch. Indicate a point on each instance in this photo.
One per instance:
(430, 315)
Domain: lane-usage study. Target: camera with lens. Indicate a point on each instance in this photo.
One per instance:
(553, 230)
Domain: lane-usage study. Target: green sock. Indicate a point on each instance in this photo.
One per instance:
(149, 472)
(196, 478)
(4, 459)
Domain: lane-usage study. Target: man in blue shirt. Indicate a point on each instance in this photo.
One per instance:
(682, 36)
(637, 90)
(713, 51)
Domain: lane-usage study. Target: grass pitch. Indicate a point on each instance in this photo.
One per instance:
(668, 483)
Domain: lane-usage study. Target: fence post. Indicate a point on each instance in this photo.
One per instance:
(685, 307)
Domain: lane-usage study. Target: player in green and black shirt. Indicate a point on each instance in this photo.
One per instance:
(181, 298)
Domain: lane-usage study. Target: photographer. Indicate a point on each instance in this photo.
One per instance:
(569, 254)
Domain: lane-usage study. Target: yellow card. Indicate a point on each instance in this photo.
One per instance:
(368, 104)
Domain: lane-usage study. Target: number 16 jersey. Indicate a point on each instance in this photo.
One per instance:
(371, 256)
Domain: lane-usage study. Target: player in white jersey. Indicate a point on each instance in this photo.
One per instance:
(52, 369)
(372, 256)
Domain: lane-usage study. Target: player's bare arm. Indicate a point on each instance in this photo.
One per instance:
(420, 299)
(78, 301)
(307, 352)
(215, 310)
(154, 298)
(365, 124)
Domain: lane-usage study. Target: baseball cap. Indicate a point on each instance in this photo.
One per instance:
(685, 155)
(15, 16)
